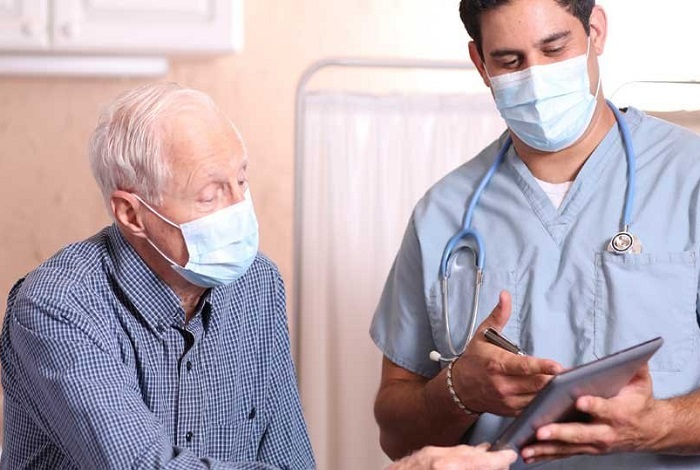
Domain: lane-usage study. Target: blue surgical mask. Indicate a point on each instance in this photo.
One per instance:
(549, 107)
(221, 245)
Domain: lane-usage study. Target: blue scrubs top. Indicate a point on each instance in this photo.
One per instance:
(572, 300)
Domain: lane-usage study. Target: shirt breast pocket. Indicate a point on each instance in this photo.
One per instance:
(641, 296)
(237, 441)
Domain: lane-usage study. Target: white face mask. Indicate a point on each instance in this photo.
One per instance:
(549, 107)
(221, 245)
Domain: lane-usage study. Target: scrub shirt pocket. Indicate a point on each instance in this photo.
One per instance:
(461, 298)
(641, 296)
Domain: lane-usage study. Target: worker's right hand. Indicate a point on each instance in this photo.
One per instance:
(492, 380)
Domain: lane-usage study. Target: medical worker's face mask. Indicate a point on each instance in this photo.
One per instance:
(548, 107)
(221, 245)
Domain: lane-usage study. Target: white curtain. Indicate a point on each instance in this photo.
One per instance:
(366, 162)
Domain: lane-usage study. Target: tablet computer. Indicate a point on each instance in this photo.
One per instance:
(556, 402)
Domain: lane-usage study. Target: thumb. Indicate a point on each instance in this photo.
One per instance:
(501, 313)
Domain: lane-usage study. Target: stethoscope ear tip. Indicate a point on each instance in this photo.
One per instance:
(435, 356)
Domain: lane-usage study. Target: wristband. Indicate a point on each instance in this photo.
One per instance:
(453, 393)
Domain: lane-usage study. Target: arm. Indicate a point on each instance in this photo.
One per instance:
(286, 442)
(80, 397)
(413, 411)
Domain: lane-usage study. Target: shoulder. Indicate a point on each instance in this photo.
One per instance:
(655, 137)
(264, 265)
(71, 268)
(263, 271)
(55, 295)
(262, 282)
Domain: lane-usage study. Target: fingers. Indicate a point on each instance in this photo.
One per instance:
(478, 457)
(524, 366)
(525, 385)
(553, 450)
(561, 440)
(500, 314)
(456, 458)
(594, 406)
(642, 376)
(500, 459)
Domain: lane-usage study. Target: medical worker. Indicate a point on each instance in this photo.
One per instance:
(586, 228)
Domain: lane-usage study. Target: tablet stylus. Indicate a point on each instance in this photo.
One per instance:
(494, 337)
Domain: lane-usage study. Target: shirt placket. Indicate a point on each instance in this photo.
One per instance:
(190, 397)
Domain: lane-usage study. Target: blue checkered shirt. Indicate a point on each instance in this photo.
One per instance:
(101, 371)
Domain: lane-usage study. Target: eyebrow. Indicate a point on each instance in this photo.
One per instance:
(543, 42)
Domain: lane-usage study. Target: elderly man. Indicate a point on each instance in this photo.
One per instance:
(161, 341)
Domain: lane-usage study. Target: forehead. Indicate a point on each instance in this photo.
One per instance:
(198, 136)
(525, 23)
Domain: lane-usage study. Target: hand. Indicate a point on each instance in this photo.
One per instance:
(489, 379)
(630, 421)
(456, 458)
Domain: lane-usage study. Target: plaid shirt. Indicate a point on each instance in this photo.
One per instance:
(100, 370)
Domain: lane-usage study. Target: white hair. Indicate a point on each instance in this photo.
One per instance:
(126, 147)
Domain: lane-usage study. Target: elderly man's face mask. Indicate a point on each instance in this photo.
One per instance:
(221, 245)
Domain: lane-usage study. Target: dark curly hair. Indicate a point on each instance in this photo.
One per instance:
(471, 10)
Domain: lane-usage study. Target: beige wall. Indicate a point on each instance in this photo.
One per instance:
(47, 196)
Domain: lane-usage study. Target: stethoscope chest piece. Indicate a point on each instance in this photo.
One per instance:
(624, 242)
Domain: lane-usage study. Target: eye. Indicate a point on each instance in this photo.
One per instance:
(207, 197)
(510, 61)
(554, 51)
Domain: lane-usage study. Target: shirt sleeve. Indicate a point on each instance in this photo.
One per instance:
(285, 443)
(401, 326)
(81, 399)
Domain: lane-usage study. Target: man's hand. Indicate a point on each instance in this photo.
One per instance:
(630, 421)
(456, 458)
(489, 379)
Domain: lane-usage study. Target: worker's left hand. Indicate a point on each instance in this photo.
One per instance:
(630, 421)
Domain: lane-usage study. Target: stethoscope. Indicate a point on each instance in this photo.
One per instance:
(622, 242)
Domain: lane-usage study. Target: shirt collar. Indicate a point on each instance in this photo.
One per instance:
(149, 295)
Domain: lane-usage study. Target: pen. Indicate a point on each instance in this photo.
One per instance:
(494, 337)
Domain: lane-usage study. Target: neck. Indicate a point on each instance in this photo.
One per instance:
(562, 166)
(189, 294)
(189, 301)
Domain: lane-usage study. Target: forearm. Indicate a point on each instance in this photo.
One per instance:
(412, 415)
(677, 422)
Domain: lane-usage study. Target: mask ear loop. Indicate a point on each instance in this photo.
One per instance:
(155, 212)
(600, 76)
(164, 219)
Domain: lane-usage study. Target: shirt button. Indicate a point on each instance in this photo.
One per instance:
(188, 436)
(189, 366)
(160, 328)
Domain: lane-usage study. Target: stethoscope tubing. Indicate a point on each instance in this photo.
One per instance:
(467, 232)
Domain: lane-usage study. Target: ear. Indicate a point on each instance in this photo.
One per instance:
(478, 63)
(124, 208)
(599, 29)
